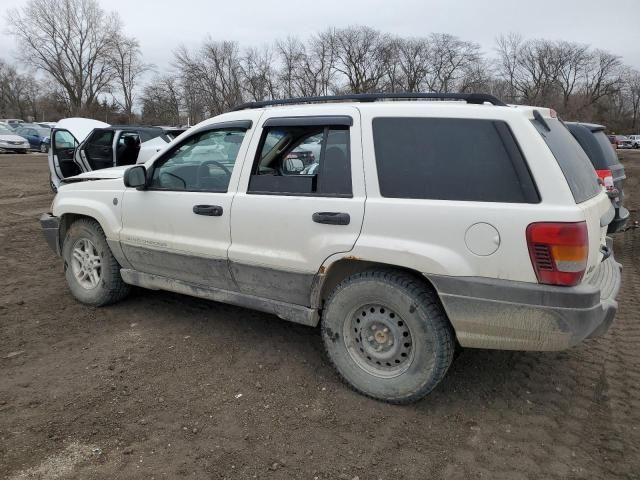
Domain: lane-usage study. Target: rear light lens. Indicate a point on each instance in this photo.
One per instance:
(558, 252)
(606, 178)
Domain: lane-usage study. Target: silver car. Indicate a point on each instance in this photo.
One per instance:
(12, 143)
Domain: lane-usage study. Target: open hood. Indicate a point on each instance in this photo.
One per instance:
(80, 127)
(102, 174)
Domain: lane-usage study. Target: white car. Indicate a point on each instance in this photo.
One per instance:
(82, 145)
(401, 243)
(10, 142)
(635, 139)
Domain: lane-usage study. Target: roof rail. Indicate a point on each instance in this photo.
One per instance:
(474, 98)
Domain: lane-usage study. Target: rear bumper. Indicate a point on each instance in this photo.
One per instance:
(508, 315)
(51, 231)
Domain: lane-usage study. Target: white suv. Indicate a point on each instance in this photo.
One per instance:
(400, 239)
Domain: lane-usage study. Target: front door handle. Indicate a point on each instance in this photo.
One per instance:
(208, 210)
(331, 218)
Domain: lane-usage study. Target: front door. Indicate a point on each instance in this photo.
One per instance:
(61, 156)
(178, 227)
(302, 201)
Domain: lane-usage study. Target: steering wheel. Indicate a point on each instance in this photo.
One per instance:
(226, 171)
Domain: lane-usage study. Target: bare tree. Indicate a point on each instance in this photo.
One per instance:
(216, 71)
(631, 90)
(18, 93)
(70, 40)
(448, 58)
(603, 75)
(258, 75)
(128, 66)
(413, 60)
(360, 57)
(291, 54)
(161, 101)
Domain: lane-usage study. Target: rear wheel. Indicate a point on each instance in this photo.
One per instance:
(92, 272)
(44, 148)
(387, 336)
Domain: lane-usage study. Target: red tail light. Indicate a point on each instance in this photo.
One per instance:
(606, 177)
(558, 252)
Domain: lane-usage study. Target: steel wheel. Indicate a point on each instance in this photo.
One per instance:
(379, 341)
(86, 264)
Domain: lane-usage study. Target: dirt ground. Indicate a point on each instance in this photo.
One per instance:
(167, 386)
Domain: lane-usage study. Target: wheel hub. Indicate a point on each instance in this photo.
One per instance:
(379, 341)
(86, 263)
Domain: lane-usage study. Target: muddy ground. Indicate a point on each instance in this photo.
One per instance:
(167, 386)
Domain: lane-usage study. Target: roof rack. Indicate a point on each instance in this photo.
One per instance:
(474, 98)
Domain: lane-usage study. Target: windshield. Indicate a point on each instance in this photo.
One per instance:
(5, 131)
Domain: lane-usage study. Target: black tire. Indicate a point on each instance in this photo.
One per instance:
(420, 346)
(110, 288)
(44, 148)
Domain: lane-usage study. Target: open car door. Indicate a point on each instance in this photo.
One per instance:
(65, 138)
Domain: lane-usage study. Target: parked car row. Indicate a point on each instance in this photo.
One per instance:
(368, 218)
(622, 141)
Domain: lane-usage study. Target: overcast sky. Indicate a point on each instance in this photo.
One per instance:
(161, 25)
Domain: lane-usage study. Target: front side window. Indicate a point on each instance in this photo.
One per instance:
(303, 160)
(202, 163)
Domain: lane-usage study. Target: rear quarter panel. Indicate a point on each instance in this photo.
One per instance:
(429, 235)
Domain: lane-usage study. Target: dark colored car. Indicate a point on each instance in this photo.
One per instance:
(600, 151)
(38, 136)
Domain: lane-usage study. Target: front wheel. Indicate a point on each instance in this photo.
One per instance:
(387, 336)
(92, 272)
(44, 148)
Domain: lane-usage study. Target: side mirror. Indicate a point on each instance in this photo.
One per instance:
(136, 177)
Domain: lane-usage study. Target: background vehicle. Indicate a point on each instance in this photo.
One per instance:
(83, 145)
(502, 246)
(636, 140)
(620, 141)
(12, 143)
(604, 159)
(12, 122)
(37, 136)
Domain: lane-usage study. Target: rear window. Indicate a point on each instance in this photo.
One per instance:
(590, 145)
(450, 159)
(607, 148)
(573, 161)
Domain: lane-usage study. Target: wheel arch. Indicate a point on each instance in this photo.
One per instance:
(330, 276)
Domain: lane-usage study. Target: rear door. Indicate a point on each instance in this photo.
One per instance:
(97, 152)
(290, 215)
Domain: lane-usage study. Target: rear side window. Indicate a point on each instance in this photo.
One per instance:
(450, 159)
(571, 158)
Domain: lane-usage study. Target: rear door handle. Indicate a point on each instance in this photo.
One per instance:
(208, 210)
(332, 218)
